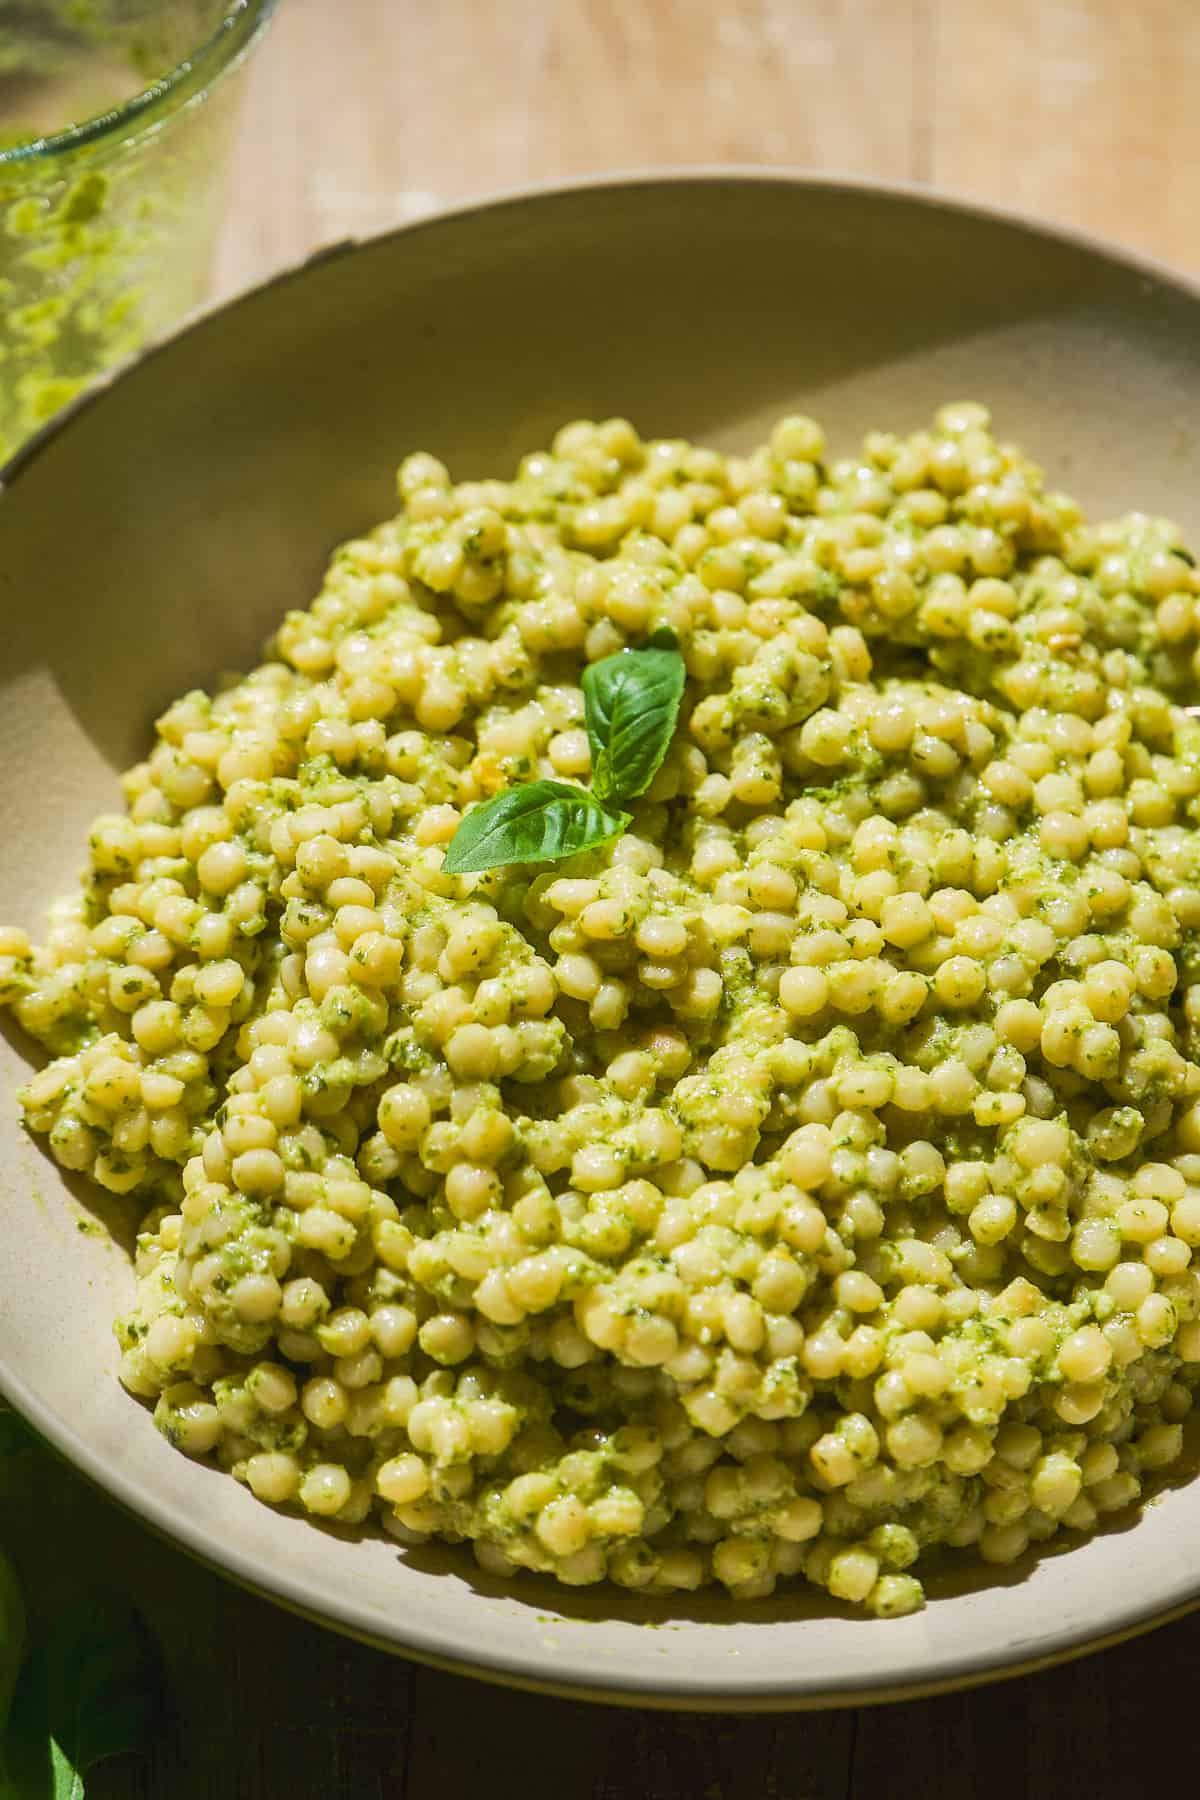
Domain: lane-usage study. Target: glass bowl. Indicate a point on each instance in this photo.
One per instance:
(107, 226)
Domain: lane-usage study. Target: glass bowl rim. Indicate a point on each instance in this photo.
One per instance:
(192, 78)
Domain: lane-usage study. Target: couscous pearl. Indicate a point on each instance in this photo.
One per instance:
(809, 1174)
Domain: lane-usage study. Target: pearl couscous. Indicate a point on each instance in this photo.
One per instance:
(807, 1177)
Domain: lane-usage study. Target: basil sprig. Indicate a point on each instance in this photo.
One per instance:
(631, 707)
(91, 1690)
(631, 704)
(536, 822)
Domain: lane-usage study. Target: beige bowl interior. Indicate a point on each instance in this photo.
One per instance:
(153, 539)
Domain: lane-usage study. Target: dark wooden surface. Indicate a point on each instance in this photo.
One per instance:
(266, 1707)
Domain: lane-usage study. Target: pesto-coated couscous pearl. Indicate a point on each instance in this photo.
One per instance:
(808, 1176)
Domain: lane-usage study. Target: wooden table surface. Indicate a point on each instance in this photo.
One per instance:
(363, 113)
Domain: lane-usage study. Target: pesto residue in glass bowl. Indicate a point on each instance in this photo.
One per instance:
(106, 231)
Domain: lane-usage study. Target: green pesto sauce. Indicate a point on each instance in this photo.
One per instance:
(103, 245)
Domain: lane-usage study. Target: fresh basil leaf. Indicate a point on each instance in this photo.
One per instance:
(92, 1690)
(631, 706)
(538, 821)
(49, 1776)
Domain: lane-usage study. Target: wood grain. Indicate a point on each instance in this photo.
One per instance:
(534, 1749)
(268, 1707)
(1081, 110)
(364, 113)
(362, 116)
(373, 113)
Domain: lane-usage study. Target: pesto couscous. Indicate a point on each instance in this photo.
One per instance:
(803, 1174)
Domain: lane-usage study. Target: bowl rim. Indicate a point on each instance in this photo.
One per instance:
(192, 78)
(926, 196)
(684, 1688)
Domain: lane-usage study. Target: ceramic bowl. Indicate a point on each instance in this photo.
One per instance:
(150, 539)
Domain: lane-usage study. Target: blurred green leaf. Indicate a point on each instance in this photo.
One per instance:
(93, 1689)
(15, 1434)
